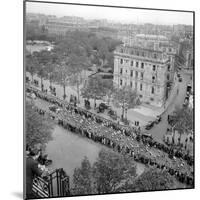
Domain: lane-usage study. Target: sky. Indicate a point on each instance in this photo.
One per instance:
(122, 15)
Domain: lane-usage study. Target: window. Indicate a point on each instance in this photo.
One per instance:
(168, 77)
(136, 85)
(141, 86)
(142, 54)
(168, 67)
(152, 90)
(131, 73)
(121, 50)
(131, 63)
(137, 53)
(142, 74)
(153, 79)
(132, 52)
(136, 74)
(131, 84)
(142, 65)
(154, 68)
(155, 55)
(121, 71)
(152, 99)
(137, 64)
(121, 61)
(120, 82)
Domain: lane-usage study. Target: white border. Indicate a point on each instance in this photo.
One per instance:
(11, 84)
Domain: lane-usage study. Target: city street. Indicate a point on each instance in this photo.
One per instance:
(160, 129)
(132, 114)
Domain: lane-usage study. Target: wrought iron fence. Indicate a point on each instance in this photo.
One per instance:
(56, 184)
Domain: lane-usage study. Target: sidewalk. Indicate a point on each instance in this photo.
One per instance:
(143, 113)
(153, 111)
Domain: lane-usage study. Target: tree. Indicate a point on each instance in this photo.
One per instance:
(31, 65)
(51, 67)
(109, 88)
(38, 128)
(82, 180)
(78, 64)
(93, 89)
(153, 180)
(43, 58)
(125, 97)
(183, 120)
(111, 170)
(108, 173)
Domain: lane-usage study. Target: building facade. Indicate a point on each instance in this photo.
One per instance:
(146, 70)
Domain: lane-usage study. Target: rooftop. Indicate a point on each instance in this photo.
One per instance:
(153, 37)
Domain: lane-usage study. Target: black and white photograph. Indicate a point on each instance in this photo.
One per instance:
(108, 99)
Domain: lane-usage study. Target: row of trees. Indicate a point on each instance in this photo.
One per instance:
(98, 88)
(113, 173)
(183, 121)
(75, 53)
(38, 128)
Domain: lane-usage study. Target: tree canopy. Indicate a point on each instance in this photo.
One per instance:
(154, 180)
(183, 120)
(105, 176)
(38, 128)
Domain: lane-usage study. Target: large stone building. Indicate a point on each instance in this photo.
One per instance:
(147, 69)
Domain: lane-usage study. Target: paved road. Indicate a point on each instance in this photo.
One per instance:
(159, 130)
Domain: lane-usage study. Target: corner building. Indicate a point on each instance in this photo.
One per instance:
(150, 72)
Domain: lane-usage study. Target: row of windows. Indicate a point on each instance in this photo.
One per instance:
(137, 64)
(141, 75)
(141, 86)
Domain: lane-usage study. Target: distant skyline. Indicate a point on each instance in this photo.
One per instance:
(122, 15)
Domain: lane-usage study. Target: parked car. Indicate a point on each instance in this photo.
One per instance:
(180, 79)
(178, 75)
(112, 114)
(149, 125)
(189, 88)
(31, 95)
(158, 119)
(146, 135)
(171, 119)
(186, 102)
(55, 109)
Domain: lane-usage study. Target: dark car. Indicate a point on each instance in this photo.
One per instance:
(147, 135)
(158, 119)
(171, 119)
(149, 125)
(180, 79)
(103, 106)
(189, 88)
(55, 109)
(178, 75)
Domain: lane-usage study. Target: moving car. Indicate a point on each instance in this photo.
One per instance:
(149, 125)
(158, 119)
